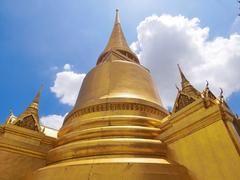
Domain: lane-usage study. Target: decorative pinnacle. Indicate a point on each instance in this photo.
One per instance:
(207, 84)
(38, 94)
(185, 82)
(221, 92)
(117, 20)
(221, 95)
(35, 101)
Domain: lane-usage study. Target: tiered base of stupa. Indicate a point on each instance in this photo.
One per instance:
(113, 168)
(112, 142)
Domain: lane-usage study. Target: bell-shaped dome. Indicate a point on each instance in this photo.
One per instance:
(118, 77)
(118, 81)
(117, 106)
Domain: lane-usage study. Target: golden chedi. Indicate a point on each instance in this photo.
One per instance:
(112, 131)
(119, 129)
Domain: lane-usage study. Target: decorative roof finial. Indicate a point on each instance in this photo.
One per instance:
(207, 84)
(221, 92)
(117, 20)
(184, 79)
(36, 99)
(221, 96)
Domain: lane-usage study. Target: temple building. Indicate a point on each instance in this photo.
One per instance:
(119, 129)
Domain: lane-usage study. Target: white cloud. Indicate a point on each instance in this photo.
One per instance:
(165, 41)
(66, 87)
(53, 121)
(67, 67)
(67, 84)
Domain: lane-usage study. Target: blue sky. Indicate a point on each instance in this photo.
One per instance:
(36, 36)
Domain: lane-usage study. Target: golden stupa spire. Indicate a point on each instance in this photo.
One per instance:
(30, 118)
(187, 88)
(117, 38)
(35, 102)
(117, 43)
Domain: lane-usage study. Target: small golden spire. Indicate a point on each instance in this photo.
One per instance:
(31, 111)
(184, 82)
(36, 99)
(187, 88)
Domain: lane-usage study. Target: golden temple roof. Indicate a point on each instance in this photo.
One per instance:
(187, 87)
(186, 95)
(117, 44)
(30, 118)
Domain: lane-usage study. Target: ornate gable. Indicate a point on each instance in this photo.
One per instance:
(29, 119)
(182, 101)
(28, 122)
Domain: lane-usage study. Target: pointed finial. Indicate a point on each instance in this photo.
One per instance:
(181, 73)
(206, 90)
(35, 101)
(221, 96)
(117, 20)
(207, 84)
(221, 92)
(185, 82)
(39, 92)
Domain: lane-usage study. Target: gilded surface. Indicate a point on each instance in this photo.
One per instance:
(29, 118)
(119, 129)
(22, 151)
(114, 124)
(117, 44)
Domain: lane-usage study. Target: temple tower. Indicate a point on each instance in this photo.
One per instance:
(113, 130)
